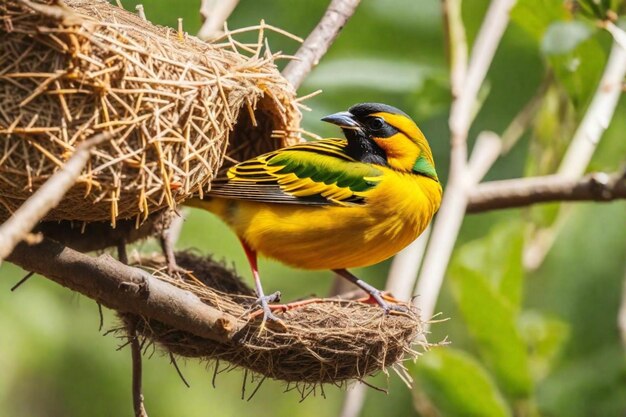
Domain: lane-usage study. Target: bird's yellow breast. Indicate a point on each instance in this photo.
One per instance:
(395, 212)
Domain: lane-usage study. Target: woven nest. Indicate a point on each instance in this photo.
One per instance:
(332, 341)
(178, 106)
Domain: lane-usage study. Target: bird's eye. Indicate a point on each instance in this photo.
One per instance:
(375, 123)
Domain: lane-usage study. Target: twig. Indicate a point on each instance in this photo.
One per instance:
(585, 140)
(319, 40)
(400, 282)
(353, 401)
(456, 44)
(141, 12)
(122, 254)
(597, 117)
(523, 192)
(135, 348)
(524, 118)
(168, 237)
(404, 267)
(215, 14)
(46, 197)
(180, 374)
(125, 289)
(450, 217)
(23, 280)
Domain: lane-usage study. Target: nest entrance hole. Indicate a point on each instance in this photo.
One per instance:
(257, 131)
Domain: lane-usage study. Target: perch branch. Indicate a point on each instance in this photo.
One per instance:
(46, 197)
(124, 288)
(319, 40)
(523, 192)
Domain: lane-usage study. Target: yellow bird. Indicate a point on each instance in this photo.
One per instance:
(333, 203)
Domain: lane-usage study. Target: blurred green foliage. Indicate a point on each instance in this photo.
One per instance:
(540, 343)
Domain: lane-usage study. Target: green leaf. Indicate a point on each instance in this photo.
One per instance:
(498, 257)
(579, 71)
(563, 37)
(486, 280)
(458, 385)
(545, 337)
(534, 16)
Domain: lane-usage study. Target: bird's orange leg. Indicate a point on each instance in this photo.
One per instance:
(263, 299)
(374, 293)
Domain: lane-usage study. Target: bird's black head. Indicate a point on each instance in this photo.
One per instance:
(361, 124)
(364, 121)
(382, 134)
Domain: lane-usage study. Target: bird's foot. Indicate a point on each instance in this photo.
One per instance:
(175, 271)
(386, 301)
(375, 295)
(264, 301)
(287, 307)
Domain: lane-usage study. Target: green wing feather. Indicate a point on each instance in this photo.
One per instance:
(313, 173)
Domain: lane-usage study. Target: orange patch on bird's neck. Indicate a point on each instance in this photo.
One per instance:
(401, 151)
(412, 135)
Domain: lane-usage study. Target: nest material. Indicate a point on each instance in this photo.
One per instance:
(332, 341)
(175, 103)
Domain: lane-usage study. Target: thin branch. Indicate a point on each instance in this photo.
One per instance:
(525, 117)
(319, 40)
(46, 197)
(491, 31)
(486, 151)
(354, 401)
(141, 11)
(126, 289)
(404, 267)
(135, 348)
(215, 13)
(452, 211)
(23, 280)
(597, 117)
(585, 141)
(180, 374)
(456, 43)
(523, 192)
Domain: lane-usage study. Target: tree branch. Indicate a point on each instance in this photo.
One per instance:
(215, 13)
(448, 222)
(46, 197)
(125, 289)
(598, 115)
(523, 192)
(319, 40)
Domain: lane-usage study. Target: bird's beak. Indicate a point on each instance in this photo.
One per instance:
(344, 120)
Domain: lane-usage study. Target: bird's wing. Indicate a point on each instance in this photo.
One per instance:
(314, 173)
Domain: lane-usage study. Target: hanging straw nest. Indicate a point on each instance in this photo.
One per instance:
(178, 107)
(332, 341)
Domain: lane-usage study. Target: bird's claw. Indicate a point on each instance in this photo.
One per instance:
(264, 301)
(379, 298)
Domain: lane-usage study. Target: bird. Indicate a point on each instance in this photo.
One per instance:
(333, 204)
